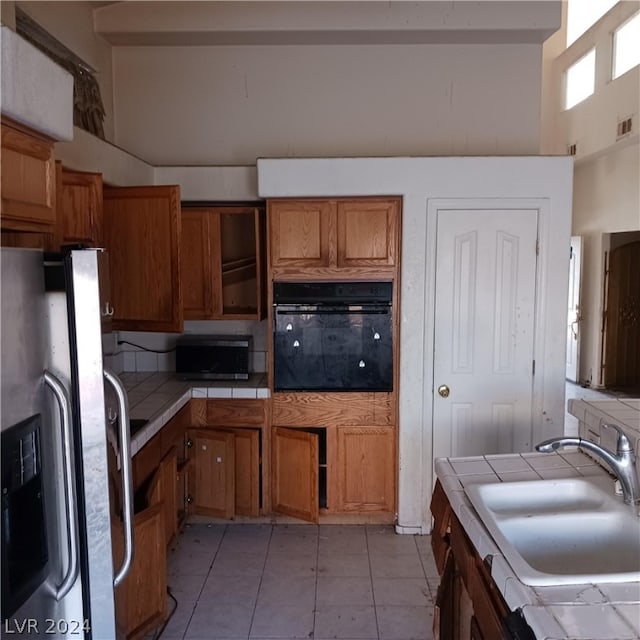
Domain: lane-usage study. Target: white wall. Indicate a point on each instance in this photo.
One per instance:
(232, 104)
(71, 23)
(88, 153)
(606, 195)
(592, 124)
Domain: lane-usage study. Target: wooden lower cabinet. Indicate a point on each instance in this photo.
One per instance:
(334, 470)
(212, 473)
(162, 491)
(141, 598)
(295, 462)
(365, 465)
(468, 604)
(226, 470)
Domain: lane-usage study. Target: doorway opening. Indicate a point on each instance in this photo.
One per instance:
(620, 369)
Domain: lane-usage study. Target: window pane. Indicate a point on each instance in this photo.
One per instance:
(581, 79)
(581, 14)
(626, 47)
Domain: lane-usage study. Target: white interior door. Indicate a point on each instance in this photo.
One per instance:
(484, 331)
(573, 310)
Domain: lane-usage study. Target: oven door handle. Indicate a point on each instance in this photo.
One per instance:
(334, 312)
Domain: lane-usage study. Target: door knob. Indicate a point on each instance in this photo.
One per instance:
(443, 390)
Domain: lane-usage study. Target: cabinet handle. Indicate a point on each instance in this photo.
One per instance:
(64, 404)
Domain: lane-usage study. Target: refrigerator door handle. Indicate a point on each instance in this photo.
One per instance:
(64, 404)
(125, 471)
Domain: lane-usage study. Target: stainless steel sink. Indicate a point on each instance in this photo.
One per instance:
(567, 531)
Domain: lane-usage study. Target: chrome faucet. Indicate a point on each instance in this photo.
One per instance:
(622, 463)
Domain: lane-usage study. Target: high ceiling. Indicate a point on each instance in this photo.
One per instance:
(270, 22)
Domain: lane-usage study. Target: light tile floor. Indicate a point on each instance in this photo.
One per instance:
(300, 581)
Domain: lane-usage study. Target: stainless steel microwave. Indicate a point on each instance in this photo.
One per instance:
(204, 357)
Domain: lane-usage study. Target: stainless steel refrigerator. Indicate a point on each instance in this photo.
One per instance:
(58, 575)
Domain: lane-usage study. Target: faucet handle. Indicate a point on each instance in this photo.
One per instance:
(623, 444)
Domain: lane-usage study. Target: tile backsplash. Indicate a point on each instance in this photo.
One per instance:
(134, 351)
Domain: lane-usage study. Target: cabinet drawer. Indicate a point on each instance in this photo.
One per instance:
(318, 409)
(228, 412)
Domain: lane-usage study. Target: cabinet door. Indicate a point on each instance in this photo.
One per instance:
(196, 263)
(365, 467)
(27, 176)
(141, 598)
(142, 233)
(79, 207)
(163, 490)
(441, 510)
(247, 471)
(212, 473)
(301, 233)
(242, 264)
(368, 232)
(295, 473)
(223, 263)
(445, 605)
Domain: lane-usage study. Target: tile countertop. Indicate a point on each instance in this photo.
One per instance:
(157, 397)
(568, 612)
(594, 414)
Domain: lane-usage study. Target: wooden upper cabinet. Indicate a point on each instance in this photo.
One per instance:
(79, 207)
(301, 233)
(142, 229)
(368, 233)
(223, 263)
(27, 179)
(329, 237)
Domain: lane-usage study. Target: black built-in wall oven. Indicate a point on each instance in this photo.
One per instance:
(332, 336)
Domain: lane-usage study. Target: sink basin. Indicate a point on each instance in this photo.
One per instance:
(567, 531)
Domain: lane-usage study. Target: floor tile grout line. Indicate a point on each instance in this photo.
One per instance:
(373, 593)
(424, 569)
(264, 565)
(197, 601)
(315, 599)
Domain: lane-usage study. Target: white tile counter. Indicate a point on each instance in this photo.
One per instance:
(569, 612)
(157, 397)
(592, 415)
